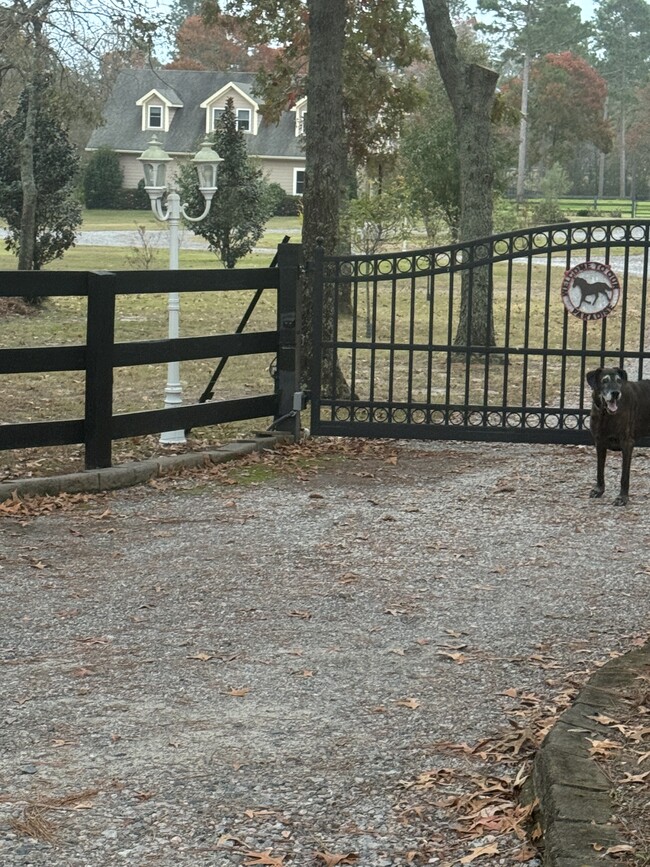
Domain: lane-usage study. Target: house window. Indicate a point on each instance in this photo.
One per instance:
(244, 119)
(301, 123)
(298, 182)
(155, 117)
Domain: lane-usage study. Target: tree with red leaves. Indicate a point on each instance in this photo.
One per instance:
(219, 43)
(566, 109)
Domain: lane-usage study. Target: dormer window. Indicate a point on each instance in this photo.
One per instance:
(242, 118)
(245, 108)
(155, 117)
(300, 109)
(158, 109)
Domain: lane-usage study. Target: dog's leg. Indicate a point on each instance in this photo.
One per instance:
(623, 496)
(601, 453)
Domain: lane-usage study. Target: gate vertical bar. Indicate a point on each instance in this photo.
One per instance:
(100, 335)
(288, 368)
(316, 275)
(642, 366)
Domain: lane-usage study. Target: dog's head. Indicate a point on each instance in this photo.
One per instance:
(607, 384)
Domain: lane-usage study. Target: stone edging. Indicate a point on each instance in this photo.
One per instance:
(126, 475)
(575, 804)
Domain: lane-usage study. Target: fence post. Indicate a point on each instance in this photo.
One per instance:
(100, 331)
(288, 368)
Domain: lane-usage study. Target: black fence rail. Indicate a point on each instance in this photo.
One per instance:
(413, 372)
(100, 354)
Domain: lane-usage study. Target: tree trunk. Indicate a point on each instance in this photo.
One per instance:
(325, 169)
(28, 183)
(471, 90)
(601, 159)
(523, 131)
(622, 166)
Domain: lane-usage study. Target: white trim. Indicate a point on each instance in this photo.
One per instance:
(221, 96)
(300, 109)
(155, 98)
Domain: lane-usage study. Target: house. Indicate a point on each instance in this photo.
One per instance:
(180, 107)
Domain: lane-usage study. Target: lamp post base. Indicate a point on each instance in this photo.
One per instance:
(173, 399)
(172, 437)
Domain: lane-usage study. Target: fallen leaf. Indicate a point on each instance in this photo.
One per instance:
(203, 657)
(238, 693)
(349, 577)
(264, 858)
(602, 748)
(331, 859)
(458, 658)
(491, 849)
(411, 703)
(634, 778)
(303, 615)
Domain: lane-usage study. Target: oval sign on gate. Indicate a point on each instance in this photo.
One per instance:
(590, 290)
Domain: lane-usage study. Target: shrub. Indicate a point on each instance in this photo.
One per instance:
(103, 180)
(135, 200)
(274, 196)
(290, 206)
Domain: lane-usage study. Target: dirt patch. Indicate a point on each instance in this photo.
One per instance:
(342, 654)
(16, 307)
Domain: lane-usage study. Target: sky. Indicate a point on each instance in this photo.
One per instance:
(587, 7)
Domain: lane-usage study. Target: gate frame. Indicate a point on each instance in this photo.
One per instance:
(527, 243)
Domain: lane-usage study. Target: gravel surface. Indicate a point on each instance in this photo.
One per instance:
(291, 662)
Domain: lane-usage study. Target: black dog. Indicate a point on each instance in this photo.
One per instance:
(592, 290)
(620, 415)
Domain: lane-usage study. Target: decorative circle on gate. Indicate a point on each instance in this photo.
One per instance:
(590, 290)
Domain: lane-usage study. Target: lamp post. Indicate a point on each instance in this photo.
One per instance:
(154, 163)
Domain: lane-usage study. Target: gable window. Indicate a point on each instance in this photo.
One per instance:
(302, 117)
(242, 118)
(155, 119)
(298, 182)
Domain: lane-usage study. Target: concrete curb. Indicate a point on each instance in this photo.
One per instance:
(126, 475)
(575, 802)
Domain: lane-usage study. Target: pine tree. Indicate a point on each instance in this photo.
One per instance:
(240, 208)
(57, 213)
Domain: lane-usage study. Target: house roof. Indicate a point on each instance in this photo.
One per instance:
(122, 130)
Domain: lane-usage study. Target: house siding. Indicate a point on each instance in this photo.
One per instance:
(276, 171)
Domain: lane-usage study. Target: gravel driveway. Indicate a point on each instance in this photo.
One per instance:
(292, 661)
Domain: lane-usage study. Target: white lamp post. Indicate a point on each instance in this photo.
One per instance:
(154, 163)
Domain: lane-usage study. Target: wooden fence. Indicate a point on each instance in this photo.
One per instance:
(100, 354)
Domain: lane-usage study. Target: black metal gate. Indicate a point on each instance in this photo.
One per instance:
(412, 373)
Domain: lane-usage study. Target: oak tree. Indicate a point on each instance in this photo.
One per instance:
(471, 88)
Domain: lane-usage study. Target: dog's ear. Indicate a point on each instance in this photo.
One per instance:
(622, 373)
(593, 377)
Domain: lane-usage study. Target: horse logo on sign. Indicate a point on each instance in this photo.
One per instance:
(590, 290)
